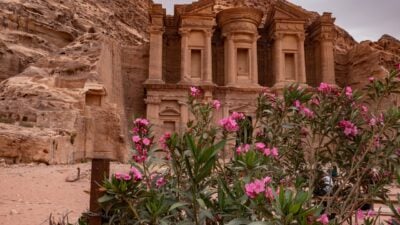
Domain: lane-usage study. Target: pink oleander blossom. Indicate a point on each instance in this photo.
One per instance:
(260, 146)
(146, 141)
(161, 182)
(267, 151)
(136, 138)
(216, 104)
(315, 101)
(137, 175)
(163, 140)
(325, 88)
(274, 152)
(237, 116)
(323, 219)
(360, 215)
(349, 129)
(297, 104)
(118, 175)
(349, 92)
(127, 177)
(195, 91)
(371, 79)
(242, 149)
(256, 187)
(307, 112)
(269, 194)
(141, 122)
(229, 124)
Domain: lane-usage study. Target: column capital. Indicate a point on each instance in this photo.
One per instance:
(278, 36)
(156, 30)
(301, 36)
(184, 31)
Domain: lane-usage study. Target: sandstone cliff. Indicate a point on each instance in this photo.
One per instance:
(60, 60)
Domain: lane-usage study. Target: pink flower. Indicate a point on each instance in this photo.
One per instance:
(146, 141)
(349, 92)
(274, 152)
(229, 124)
(364, 109)
(398, 66)
(136, 173)
(269, 194)
(216, 104)
(195, 92)
(118, 175)
(297, 104)
(349, 129)
(307, 112)
(140, 158)
(243, 149)
(371, 79)
(267, 180)
(127, 177)
(260, 146)
(398, 209)
(163, 140)
(323, 219)
(267, 151)
(249, 189)
(161, 182)
(136, 139)
(372, 122)
(237, 116)
(315, 101)
(360, 215)
(325, 88)
(141, 121)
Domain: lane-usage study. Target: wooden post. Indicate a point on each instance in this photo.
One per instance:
(100, 170)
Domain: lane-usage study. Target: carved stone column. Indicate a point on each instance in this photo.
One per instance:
(230, 69)
(184, 56)
(327, 60)
(254, 60)
(207, 78)
(278, 60)
(301, 60)
(155, 55)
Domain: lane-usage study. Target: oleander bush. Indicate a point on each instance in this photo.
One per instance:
(310, 156)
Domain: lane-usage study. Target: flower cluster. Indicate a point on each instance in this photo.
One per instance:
(327, 89)
(134, 172)
(267, 151)
(230, 124)
(348, 92)
(195, 92)
(323, 219)
(361, 215)
(349, 129)
(259, 186)
(242, 149)
(216, 104)
(141, 139)
(304, 110)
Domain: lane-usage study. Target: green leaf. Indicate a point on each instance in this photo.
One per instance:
(177, 205)
(239, 221)
(105, 198)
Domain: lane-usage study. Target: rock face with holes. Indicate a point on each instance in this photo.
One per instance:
(72, 71)
(61, 65)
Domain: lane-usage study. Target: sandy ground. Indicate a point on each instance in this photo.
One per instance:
(29, 193)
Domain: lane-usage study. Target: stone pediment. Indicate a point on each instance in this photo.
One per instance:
(169, 112)
(201, 7)
(288, 11)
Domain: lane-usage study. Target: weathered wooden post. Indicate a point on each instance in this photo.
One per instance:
(99, 152)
